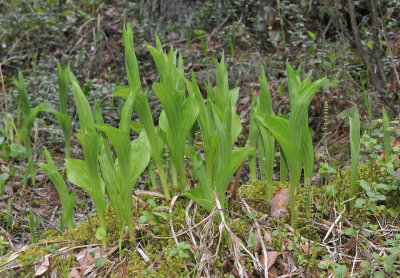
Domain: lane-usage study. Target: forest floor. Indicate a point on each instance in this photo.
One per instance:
(178, 238)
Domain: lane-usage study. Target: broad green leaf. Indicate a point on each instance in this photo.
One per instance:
(132, 68)
(299, 111)
(200, 171)
(23, 96)
(67, 200)
(122, 91)
(253, 138)
(63, 82)
(126, 114)
(197, 196)
(121, 144)
(86, 120)
(16, 151)
(224, 176)
(78, 173)
(294, 84)
(65, 123)
(143, 110)
(140, 157)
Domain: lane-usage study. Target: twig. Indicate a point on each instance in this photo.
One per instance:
(390, 52)
(5, 98)
(34, 211)
(333, 225)
(170, 220)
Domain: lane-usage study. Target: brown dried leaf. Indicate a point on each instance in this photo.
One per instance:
(280, 202)
(307, 249)
(74, 273)
(44, 267)
(5, 169)
(271, 258)
(85, 259)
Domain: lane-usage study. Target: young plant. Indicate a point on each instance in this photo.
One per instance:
(142, 107)
(29, 115)
(121, 171)
(262, 138)
(293, 134)
(220, 126)
(355, 152)
(85, 173)
(67, 200)
(179, 113)
(62, 115)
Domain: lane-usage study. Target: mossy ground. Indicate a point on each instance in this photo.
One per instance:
(155, 240)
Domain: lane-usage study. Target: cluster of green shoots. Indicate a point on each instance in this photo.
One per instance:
(113, 162)
(291, 133)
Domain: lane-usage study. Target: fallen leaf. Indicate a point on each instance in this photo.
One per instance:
(307, 249)
(271, 258)
(234, 272)
(5, 169)
(74, 273)
(280, 202)
(44, 267)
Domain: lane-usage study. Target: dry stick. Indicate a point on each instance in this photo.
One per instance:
(189, 223)
(390, 52)
(264, 249)
(234, 240)
(170, 220)
(184, 232)
(357, 40)
(5, 97)
(34, 211)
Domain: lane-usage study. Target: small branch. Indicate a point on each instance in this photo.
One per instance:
(390, 52)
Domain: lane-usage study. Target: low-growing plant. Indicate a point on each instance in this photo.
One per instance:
(179, 113)
(262, 138)
(29, 115)
(293, 134)
(62, 114)
(142, 107)
(355, 151)
(85, 173)
(67, 200)
(219, 126)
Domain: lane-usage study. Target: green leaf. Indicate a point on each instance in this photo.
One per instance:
(121, 91)
(23, 96)
(82, 106)
(126, 114)
(100, 234)
(355, 150)
(67, 200)
(224, 176)
(63, 82)
(143, 110)
(360, 203)
(379, 274)
(132, 68)
(99, 262)
(350, 232)
(16, 151)
(197, 196)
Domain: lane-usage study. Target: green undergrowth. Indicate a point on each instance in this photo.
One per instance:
(153, 234)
